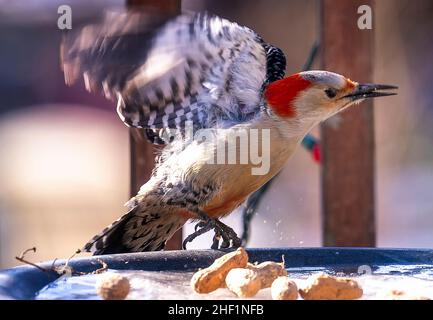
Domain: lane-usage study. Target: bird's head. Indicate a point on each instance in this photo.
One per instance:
(313, 96)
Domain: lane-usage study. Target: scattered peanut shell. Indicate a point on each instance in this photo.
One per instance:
(326, 287)
(243, 282)
(113, 286)
(268, 271)
(284, 289)
(400, 295)
(213, 277)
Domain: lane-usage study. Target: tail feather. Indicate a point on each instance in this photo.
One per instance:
(109, 240)
(136, 231)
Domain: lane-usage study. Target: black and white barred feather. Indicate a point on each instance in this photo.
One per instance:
(275, 63)
(194, 67)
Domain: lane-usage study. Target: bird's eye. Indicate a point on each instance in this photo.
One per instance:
(331, 93)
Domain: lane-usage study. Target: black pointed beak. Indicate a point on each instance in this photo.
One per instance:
(370, 90)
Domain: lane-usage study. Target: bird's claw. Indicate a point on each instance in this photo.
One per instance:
(228, 235)
(200, 225)
(202, 228)
(222, 231)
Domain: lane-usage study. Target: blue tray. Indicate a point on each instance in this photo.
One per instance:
(24, 282)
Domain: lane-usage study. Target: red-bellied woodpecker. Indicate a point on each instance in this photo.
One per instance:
(217, 75)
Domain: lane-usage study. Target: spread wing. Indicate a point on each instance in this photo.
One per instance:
(193, 67)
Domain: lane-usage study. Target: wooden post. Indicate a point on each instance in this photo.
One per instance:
(142, 152)
(348, 145)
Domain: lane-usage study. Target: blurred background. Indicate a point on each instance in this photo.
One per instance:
(64, 154)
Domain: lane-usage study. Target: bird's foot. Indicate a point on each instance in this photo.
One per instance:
(222, 231)
(200, 228)
(228, 236)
